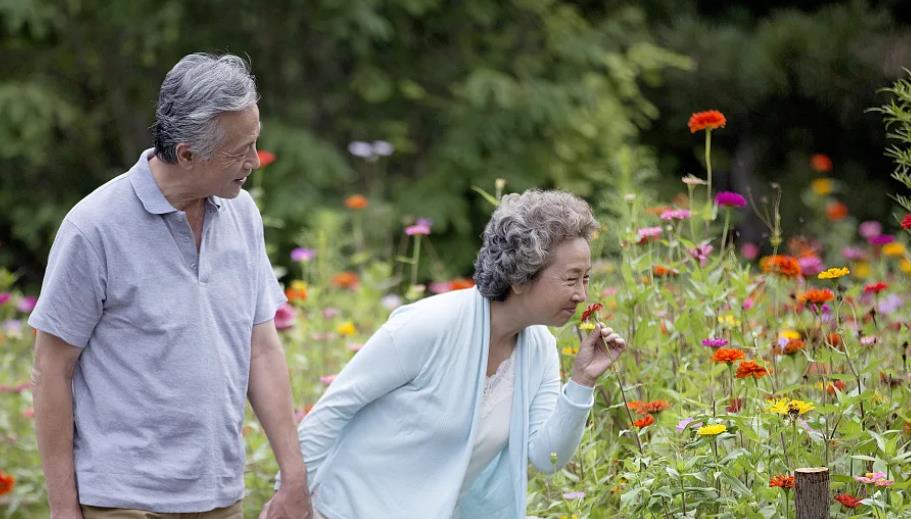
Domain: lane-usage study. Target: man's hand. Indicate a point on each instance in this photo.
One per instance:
(289, 502)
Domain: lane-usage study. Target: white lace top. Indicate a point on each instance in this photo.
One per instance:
(493, 429)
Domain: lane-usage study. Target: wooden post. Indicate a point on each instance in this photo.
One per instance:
(812, 493)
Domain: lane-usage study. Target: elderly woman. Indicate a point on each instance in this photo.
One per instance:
(440, 412)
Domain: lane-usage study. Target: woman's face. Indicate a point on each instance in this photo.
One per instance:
(552, 297)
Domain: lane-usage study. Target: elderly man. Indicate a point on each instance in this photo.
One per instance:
(155, 322)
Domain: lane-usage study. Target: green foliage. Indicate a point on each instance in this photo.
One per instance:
(897, 117)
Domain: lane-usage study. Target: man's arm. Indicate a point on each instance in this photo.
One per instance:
(52, 377)
(270, 395)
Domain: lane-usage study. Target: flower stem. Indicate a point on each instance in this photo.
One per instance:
(415, 258)
(708, 169)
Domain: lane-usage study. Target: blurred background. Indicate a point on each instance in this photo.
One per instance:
(588, 96)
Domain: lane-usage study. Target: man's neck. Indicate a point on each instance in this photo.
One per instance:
(177, 191)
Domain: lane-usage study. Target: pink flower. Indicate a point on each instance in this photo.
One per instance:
(285, 316)
(438, 287)
(810, 265)
(421, 227)
(686, 422)
(327, 379)
(675, 214)
(648, 233)
(870, 229)
(882, 239)
(730, 199)
(714, 342)
(749, 251)
(853, 253)
(27, 304)
(301, 254)
(330, 312)
(748, 303)
(884, 482)
(702, 253)
(871, 477)
(4, 297)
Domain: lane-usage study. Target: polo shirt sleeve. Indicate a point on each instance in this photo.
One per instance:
(269, 295)
(73, 291)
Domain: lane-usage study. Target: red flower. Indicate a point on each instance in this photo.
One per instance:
(875, 288)
(906, 222)
(592, 309)
(836, 211)
(644, 422)
(786, 266)
(265, 158)
(728, 355)
(460, 283)
(836, 385)
(660, 271)
(735, 405)
(708, 120)
(783, 481)
(793, 346)
(7, 482)
(749, 368)
(821, 163)
(848, 500)
(356, 202)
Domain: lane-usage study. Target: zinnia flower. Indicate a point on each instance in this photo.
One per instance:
(27, 304)
(785, 266)
(701, 252)
(817, 296)
(707, 120)
(906, 222)
(265, 158)
(820, 163)
(592, 310)
(835, 386)
(5, 297)
(728, 355)
(893, 249)
(297, 291)
(660, 271)
(749, 250)
(730, 199)
(645, 421)
(871, 477)
(834, 273)
(356, 202)
(749, 368)
(712, 430)
(848, 500)
(821, 186)
(882, 239)
(787, 407)
(7, 482)
(875, 288)
(675, 214)
(783, 481)
(346, 329)
(347, 280)
(284, 317)
(646, 234)
(300, 254)
(869, 229)
(810, 265)
(836, 210)
(417, 229)
(655, 406)
(714, 342)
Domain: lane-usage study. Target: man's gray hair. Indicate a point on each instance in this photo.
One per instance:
(523, 233)
(199, 88)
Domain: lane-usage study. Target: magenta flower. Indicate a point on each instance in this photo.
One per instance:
(714, 342)
(747, 303)
(675, 214)
(27, 304)
(285, 316)
(730, 199)
(853, 253)
(420, 227)
(300, 254)
(749, 251)
(702, 253)
(648, 233)
(327, 379)
(882, 239)
(4, 297)
(870, 229)
(810, 265)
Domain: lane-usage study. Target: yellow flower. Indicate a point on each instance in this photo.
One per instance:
(834, 273)
(569, 351)
(728, 320)
(789, 334)
(905, 265)
(821, 186)
(893, 249)
(862, 270)
(785, 407)
(587, 326)
(712, 430)
(346, 329)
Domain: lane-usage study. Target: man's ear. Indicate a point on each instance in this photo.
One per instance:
(185, 156)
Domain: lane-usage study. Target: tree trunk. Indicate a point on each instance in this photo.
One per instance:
(812, 493)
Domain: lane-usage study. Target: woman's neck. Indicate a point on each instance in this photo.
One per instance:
(506, 322)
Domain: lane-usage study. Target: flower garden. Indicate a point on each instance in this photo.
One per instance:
(746, 361)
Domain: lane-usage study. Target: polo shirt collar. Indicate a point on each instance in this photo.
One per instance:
(148, 191)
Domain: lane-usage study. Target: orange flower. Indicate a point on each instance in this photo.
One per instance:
(786, 266)
(265, 158)
(728, 355)
(636, 405)
(782, 481)
(793, 346)
(460, 283)
(356, 202)
(297, 291)
(656, 406)
(836, 211)
(660, 271)
(7, 482)
(708, 120)
(821, 163)
(817, 296)
(836, 385)
(834, 339)
(749, 368)
(347, 280)
(645, 421)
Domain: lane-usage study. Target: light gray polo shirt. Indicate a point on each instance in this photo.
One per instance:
(160, 387)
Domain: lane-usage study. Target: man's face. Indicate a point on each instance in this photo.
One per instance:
(224, 174)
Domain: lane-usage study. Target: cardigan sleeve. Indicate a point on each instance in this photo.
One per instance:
(556, 416)
(378, 368)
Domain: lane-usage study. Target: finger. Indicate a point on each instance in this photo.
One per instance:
(265, 511)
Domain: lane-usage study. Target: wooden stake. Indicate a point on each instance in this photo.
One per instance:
(812, 493)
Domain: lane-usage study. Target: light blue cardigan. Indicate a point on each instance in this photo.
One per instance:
(393, 434)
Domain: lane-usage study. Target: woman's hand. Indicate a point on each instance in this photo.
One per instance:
(596, 353)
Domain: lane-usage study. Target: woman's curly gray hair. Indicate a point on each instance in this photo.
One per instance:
(521, 235)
